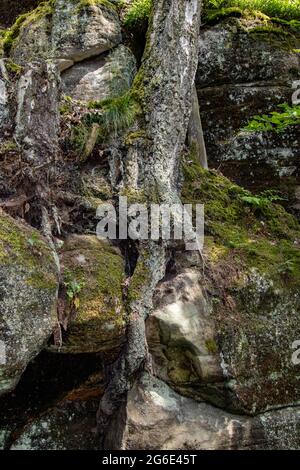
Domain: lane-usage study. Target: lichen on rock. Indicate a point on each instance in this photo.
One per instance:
(97, 268)
(28, 284)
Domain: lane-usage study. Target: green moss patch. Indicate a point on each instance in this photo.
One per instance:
(248, 235)
(98, 269)
(287, 9)
(24, 248)
(137, 13)
(12, 34)
(274, 21)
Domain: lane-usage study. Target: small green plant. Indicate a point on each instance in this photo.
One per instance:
(261, 200)
(138, 12)
(33, 241)
(288, 268)
(114, 114)
(79, 136)
(65, 106)
(275, 121)
(73, 287)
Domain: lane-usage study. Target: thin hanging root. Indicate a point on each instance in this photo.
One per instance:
(56, 219)
(47, 231)
(149, 271)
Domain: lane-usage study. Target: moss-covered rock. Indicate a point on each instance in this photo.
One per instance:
(156, 417)
(92, 277)
(226, 335)
(247, 68)
(28, 291)
(67, 31)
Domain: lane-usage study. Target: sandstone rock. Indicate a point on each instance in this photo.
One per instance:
(242, 74)
(69, 31)
(181, 336)
(227, 337)
(28, 288)
(158, 418)
(37, 118)
(70, 424)
(237, 358)
(229, 53)
(96, 270)
(102, 77)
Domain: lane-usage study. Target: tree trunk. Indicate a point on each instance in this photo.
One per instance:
(151, 166)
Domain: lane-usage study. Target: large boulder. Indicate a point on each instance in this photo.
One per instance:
(156, 417)
(226, 334)
(181, 336)
(102, 77)
(91, 303)
(68, 31)
(248, 69)
(28, 293)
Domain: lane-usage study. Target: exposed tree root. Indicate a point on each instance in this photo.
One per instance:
(151, 264)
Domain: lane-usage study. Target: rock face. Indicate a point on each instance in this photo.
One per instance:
(101, 77)
(93, 273)
(172, 422)
(69, 425)
(28, 287)
(220, 331)
(227, 356)
(181, 336)
(67, 31)
(37, 118)
(243, 73)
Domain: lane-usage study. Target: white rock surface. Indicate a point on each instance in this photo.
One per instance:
(102, 77)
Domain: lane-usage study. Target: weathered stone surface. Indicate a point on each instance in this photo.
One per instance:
(239, 358)
(68, 425)
(28, 288)
(227, 337)
(242, 74)
(69, 31)
(97, 269)
(37, 118)
(158, 418)
(101, 77)
(228, 53)
(181, 336)
(4, 109)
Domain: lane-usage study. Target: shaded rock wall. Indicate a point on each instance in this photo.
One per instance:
(241, 74)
